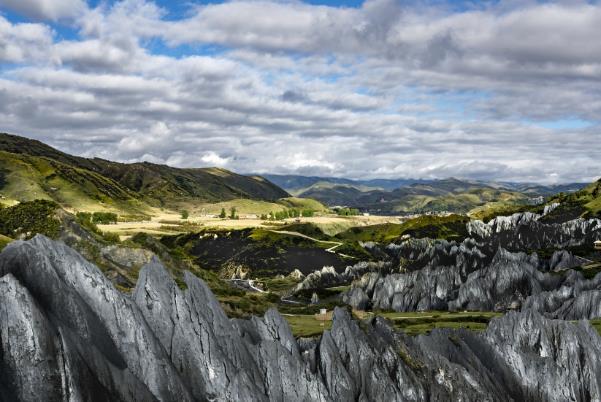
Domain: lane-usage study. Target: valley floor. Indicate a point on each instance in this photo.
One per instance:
(169, 223)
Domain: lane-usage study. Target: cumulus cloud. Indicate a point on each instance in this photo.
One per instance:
(388, 89)
(23, 42)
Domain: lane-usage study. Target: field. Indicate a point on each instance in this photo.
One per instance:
(306, 325)
(414, 323)
(165, 222)
(417, 323)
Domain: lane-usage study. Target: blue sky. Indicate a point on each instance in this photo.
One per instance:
(381, 88)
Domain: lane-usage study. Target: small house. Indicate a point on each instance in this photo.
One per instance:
(598, 245)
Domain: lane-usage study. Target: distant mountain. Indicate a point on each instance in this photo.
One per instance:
(298, 184)
(450, 195)
(295, 183)
(386, 196)
(543, 190)
(30, 169)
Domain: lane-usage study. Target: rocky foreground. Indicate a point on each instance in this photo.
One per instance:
(66, 334)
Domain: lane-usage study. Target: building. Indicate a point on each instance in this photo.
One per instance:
(324, 315)
(598, 245)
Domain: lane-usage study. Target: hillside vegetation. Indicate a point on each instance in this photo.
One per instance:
(584, 203)
(587, 201)
(451, 227)
(32, 170)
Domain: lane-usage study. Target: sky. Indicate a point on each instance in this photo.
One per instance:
(486, 90)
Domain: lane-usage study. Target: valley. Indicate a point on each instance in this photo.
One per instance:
(274, 276)
(406, 196)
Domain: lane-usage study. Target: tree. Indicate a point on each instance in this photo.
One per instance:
(222, 215)
(185, 214)
(104, 218)
(233, 213)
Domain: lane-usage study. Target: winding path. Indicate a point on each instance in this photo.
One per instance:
(332, 249)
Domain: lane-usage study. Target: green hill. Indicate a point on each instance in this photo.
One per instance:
(31, 170)
(585, 203)
(450, 195)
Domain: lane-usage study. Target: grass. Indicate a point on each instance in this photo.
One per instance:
(452, 227)
(586, 201)
(279, 285)
(4, 241)
(27, 178)
(491, 210)
(243, 207)
(282, 240)
(306, 326)
(303, 203)
(589, 271)
(416, 323)
(596, 323)
(412, 323)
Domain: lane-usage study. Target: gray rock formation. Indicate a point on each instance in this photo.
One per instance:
(576, 299)
(526, 231)
(328, 277)
(96, 342)
(479, 273)
(66, 334)
(563, 259)
(462, 285)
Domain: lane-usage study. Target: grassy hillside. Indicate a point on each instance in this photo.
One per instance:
(451, 227)
(449, 195)
(164, 184)
(303, 203)
(27, 178)
(584, 203)
(31, 170)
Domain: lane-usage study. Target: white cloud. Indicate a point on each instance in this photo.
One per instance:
(213, 159)
(46, 9)
(383, 90)
(23, 42)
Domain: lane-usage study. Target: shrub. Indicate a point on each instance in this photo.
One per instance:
(85, 220)
(185, 214)
(29, 218)
(348, 211)
(111, 237)
(104, 218)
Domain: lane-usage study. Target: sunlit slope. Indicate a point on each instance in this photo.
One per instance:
(26, 178)
(31, 169)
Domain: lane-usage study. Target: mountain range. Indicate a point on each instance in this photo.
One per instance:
(392, 196)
